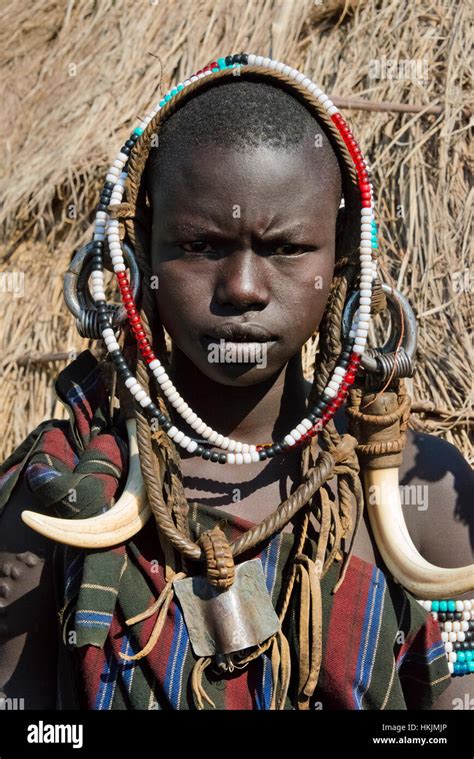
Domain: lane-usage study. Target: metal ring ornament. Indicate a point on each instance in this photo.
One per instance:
(381, 361)
(78, 297)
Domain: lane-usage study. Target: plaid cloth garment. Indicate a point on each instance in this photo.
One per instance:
(381, 649)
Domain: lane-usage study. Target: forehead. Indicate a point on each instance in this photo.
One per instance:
(263, 182)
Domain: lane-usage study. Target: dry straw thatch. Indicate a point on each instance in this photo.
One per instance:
(77, 73)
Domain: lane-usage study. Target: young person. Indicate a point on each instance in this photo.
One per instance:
(233, 210)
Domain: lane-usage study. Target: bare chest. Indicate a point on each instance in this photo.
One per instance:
(253, 492)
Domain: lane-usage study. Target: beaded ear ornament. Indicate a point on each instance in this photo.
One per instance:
(107, 231)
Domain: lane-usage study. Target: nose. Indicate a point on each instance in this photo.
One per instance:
(242, 281)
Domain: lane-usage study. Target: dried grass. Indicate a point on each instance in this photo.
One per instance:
(61, 131)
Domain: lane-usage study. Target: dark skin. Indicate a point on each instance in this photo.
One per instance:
(242, 276)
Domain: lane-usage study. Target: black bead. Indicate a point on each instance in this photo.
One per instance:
(228, 60)
(326, 398)
(115, 354)
(102, 207)
(285, 445)
(108, 186)
(457, 615)
(125, 150)
(262, 455)
(162, 418)
(214, 456)
(457, 646)
(346, 355)
(222, 458)
(277, 448)
(312, 417)
(97, 245)
(270, 451)
(244, 58)
(449, 616)
(134, 137)
(166, 426)
(199, 450)
(442, 616)
(129, 144)
(206, 455)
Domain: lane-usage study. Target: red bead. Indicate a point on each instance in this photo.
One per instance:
(150, 357)
(134, 320)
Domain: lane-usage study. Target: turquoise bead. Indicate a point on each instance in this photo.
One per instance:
(461, 656)
(214, 69)
(138, 130)
(180, 87)
(174, 92)
(451, 606)
(469, 655)
(443, 606)
(457, 668)
(222, 63)
(167, 97)
(435, 606)
(470, 666)
(162, 103)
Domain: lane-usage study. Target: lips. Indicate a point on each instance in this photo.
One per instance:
(241, 333)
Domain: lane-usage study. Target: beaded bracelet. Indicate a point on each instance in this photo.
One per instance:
(456, 621)
(236, 452)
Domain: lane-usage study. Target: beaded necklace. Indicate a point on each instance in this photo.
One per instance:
(107, 229)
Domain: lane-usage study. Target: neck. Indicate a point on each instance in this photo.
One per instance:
(253, 414)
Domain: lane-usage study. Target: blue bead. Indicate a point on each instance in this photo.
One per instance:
(457, 668)
(464, 668)
(443, 606)
(435, 606)
(470, 666)
(451, 606)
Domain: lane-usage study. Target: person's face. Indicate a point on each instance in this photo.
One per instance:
(243, 238)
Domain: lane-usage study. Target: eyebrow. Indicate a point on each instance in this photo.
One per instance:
(196, 229)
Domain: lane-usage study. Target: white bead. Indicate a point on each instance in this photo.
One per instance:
(185, 441)
(251, 59)
(334, 385)
(468, 604)
(279, 67)
(259, 60)
(146, 401)
(452, 656)
(140, 396)
(255, 456)
(266, 62)
(365, 235)
(119, 267)
(199, 428)
(165, 385)
(247, 458)
(245, 447)
(358, 349)
(213, 437)
(307, 424)
(231, 458)
(232, 445)
(329, 391)
(225, 444)
(452, 637)
(461, 636)
(286, 70)
(366, 212)
(451, 667)
(448, 647)
(448, 626)
(173, 397)
(299, 78)
(192, 446)
(172, 432)
(218, 441)
(444, 638)
(332, 110)
(238, 447)
(290, 440)
(239, 458)
(466, 615)
(339, 371)
(301, 429)
(322, 98)
(464, 627)
(459, 606)
(366, 227)
(456, 626)
(295, 434)
(206, 432)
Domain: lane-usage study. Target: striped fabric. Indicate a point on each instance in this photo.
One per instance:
(381, 649)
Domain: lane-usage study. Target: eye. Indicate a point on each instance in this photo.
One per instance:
(197, 246)
(288, 249)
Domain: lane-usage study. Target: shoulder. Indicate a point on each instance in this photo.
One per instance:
(436, 488)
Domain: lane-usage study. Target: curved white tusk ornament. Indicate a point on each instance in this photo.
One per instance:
(404, 562)
(119, 523)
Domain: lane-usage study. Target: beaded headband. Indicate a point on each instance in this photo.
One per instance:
(107, 229)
